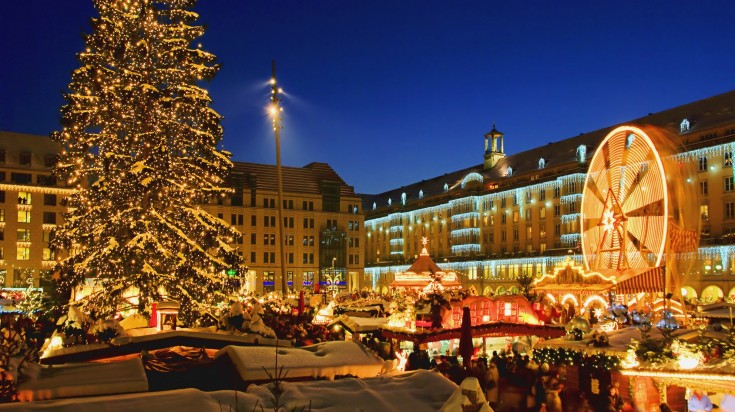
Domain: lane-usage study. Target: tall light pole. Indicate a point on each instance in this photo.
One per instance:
(275, 111)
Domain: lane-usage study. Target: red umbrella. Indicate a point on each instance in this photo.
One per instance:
(301, 302)
(466, 348)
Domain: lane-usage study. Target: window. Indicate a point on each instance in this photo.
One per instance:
(557, 229)
(542, 194)
(290, 260)
(253, 220)
(265, 239)
(704, 212)
(703, 188)
(2, 215)
(503, 236)
(542, 212)
(502, 202)
(21, 178)
(515, 216)
(233, 220)
(729, 210)
(49, 160)
(24, 158)
(49, 200)
(2, 196)
(220, 216)
(49, 218)
(573, 207)
(239, 220)
(702, 164)
(557, 210)
(503, 218)
(24, 198)
(2, 234)
(515, 199)
(529, 233)
(542, 232)
(23, 235)
(23, 253)
(46, 180)
(515, 233)
(727, 159)
(728, 184)
(24, 216)
(252, 238)
(528, 214)
(557, 192)
(252, 257)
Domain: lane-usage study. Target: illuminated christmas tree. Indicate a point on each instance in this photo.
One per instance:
(140, 146)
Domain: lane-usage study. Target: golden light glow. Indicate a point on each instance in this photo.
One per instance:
(608, 220)
(571, 297)
(624, 203)
(591, 299)
(679, 375)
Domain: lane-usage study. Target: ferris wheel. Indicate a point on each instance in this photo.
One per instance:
(625, 204)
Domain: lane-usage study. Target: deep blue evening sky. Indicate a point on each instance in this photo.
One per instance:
(390, 92)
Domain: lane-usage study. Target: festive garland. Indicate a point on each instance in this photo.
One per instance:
(571, 357)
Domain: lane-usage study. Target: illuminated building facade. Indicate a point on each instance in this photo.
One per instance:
(30, 207)
(322, 222)
(322, 226)
(516, 214)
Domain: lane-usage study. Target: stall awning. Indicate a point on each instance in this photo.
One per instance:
(581, 288)
(633, 281)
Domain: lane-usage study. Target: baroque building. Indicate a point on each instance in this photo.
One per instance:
(322, 219)
(520, 214)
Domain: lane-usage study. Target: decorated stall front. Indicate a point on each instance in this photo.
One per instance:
(648, 365)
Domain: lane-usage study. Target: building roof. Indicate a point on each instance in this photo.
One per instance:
(702, 115)
(307, 179)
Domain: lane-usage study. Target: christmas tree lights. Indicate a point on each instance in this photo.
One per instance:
(140, 152)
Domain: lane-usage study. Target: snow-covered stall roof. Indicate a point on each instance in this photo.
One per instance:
(150, 339)
(86, 379)
(323, 360)
(359, 325)
(418, 391)
(619, 340)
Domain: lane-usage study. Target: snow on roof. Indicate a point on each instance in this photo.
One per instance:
(358, 324)
(418, 391)
(150, 338)
(177, 400)
(86, 379)
(323, 360)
